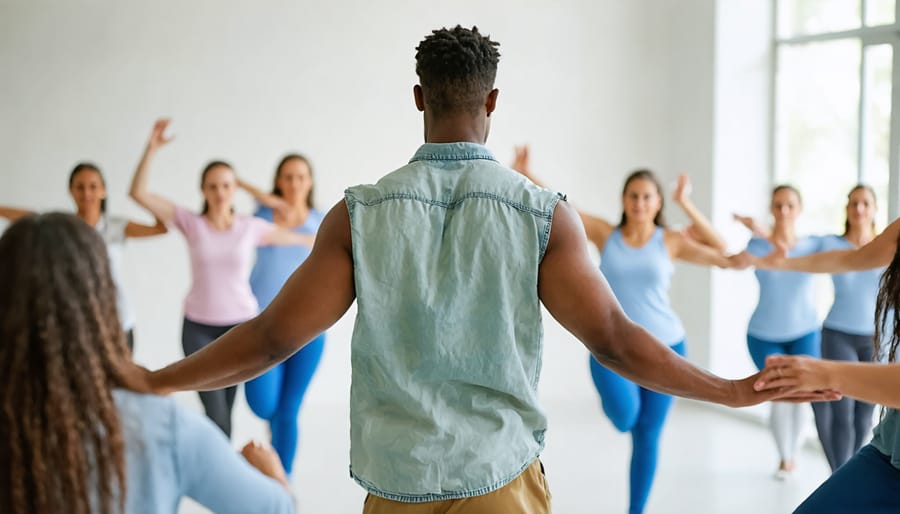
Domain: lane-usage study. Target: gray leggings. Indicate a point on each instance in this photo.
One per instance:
(844, 426)
(218, 403)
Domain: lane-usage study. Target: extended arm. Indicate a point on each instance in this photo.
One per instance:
(12, 214)
(268, 199)
(138, 230)
(878, 253)
(284, 237)
(867, 381)
(577, 295)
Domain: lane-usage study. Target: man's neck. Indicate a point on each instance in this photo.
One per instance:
(462, 128)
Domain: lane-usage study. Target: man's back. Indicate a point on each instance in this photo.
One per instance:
(447, 343)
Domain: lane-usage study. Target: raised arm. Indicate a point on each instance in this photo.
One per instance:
(867, 381)
(138, 230)
(270, 200)
(162, 208)
(318, 293)
(577, 295)
(700, 225)
(12, 214)
(878, 253)
(597, 229)
(758, 229)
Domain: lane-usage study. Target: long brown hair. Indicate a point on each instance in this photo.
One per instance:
(644, 174)
(61, 348)
(286, 159)
(887, 323)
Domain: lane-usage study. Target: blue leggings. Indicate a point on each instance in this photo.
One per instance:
(809, 344)
(631, 408)
(866, 484)
(276, 397)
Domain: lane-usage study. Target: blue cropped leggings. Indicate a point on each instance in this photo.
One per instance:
(632, 408)
(866, 484)
(276, 397)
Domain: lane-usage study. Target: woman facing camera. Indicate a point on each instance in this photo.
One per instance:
(72, 441)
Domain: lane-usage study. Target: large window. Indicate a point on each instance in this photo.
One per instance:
(835, 67)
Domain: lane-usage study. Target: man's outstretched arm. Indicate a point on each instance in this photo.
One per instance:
(577, 295)
(317, 294)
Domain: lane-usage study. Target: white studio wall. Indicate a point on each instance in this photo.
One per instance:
(598, 88)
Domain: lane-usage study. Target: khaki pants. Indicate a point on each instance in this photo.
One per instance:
(526, 494)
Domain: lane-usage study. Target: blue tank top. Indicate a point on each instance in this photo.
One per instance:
(274, 264)
(640, 278)
(853, 311)
(786, 309)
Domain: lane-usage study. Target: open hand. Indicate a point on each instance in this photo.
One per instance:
(158, 134)
(683, 189)
(803, 374)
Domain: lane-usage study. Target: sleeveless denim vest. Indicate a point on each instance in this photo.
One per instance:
(446, 350)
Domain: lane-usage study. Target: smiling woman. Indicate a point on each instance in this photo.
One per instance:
(87, 188)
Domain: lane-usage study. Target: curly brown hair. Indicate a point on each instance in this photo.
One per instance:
(61, 348)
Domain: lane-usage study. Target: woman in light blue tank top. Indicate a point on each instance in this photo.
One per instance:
(784, 320)
(636, 257)
(277, 395)
(869, 481)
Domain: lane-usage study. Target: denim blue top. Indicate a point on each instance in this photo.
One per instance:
(640, 278)
(887, 436)
(274, 264)
(786, 309)
(172, 452)
(853, 311)
(446, 350)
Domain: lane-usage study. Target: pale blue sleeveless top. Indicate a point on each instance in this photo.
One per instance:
(786, 309)
(274, 264)
(640, 278)
(446, 349)
(853, 311)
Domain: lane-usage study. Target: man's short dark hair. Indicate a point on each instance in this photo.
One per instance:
(456, 69)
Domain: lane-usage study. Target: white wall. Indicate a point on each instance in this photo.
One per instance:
(599, 87)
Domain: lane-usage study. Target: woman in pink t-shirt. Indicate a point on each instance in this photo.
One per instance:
(222, 246)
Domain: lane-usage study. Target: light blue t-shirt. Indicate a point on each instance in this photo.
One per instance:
(172, 452)
(446, 349)
(887, 436)
(855, 294)
(640, 278)
(274, 264)
(786, 309)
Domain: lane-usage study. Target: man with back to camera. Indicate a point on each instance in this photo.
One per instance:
(449, 258)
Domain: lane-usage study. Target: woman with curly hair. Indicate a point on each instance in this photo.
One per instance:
(72, 441)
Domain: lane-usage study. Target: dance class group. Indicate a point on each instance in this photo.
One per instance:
(449, 259)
